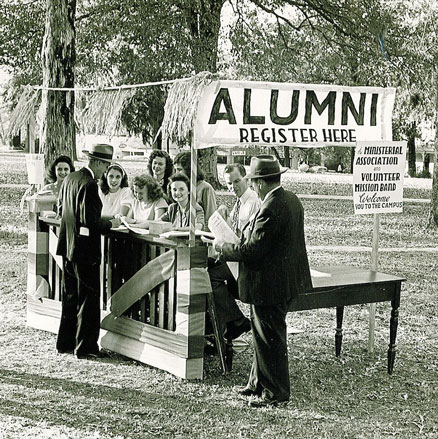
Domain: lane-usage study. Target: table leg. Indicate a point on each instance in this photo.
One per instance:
(338, 335)
(395, 303)
(218, 333)
(229, 354)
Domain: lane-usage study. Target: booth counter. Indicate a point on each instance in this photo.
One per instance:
(153, 294)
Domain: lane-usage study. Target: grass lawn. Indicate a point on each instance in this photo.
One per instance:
(46, 395)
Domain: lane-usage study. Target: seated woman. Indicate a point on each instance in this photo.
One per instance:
(59, 169)
(178, 212)
(205, 194)
(160, 166)
(114, 192)
(148, 203)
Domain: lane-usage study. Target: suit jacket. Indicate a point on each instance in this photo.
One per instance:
(80, 207)
(273, 264)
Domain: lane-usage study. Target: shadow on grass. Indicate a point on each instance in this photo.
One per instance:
(74, 404)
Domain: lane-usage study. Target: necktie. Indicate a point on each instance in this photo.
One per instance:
(235, 218)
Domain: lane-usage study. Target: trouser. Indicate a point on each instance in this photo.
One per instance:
(225, 291)
(270, 371)
(80, 318)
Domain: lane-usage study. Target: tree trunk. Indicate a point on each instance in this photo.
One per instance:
(433, 212)
(204, 20)
(426, 162)
(58, 135)
(352, 160)
(412, 168)
(286, 156)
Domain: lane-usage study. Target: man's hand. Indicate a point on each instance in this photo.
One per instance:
(115, 223)
(218, 244)
(223, 211)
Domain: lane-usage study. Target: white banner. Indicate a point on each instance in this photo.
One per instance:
(378, 174)
(305, 115)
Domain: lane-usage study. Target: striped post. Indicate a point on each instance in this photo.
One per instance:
(193, 181)
(192, 286)
(42, 312)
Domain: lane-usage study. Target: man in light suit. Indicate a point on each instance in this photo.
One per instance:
(273, 269)
(79, 244)
(223, 284)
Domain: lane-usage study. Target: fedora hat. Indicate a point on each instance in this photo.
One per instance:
(264, 166)
(100, 151)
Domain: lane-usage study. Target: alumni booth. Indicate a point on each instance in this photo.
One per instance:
(154, 287)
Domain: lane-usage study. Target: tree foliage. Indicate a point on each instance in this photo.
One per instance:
(366, 42)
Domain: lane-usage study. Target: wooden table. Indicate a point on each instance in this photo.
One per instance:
(342, 286)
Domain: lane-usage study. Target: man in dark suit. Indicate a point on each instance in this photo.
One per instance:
(273, 269)
(79, 244)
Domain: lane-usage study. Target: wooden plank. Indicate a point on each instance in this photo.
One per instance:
(103, 272)
(176, 343)
(37, 264)
(51, 276)
(38, 242)
(343, 296)
(146, 279)
(58, 282)
(42, 322)
(38, 287)
(43, 315)
(53, 243)
(198, 256)
(171, 304)
(153, 356)
(162, 302)
(190, 324)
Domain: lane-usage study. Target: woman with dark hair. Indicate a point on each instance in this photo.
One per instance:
(160, 166)
(59, 169)
(205, 194)
(148, 203)
(178, 212)
(114, 192)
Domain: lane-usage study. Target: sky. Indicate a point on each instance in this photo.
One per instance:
(4, 76)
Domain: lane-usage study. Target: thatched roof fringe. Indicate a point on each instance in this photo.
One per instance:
(182, 104)
(24, 111)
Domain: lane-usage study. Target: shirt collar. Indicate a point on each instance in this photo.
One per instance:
(91, 172)
(245, 195)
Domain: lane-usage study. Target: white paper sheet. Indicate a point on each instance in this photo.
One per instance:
(315, 273)
(221, 230)
(135, 229)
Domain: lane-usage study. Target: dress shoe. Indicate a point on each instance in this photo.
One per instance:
(267, 402)
(234, 330)
(246, 391)
(65, 351)
(91, 355)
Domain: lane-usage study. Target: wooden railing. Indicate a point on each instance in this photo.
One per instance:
(153, 295)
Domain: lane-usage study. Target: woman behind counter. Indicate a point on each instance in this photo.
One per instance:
(178, 212)
(205, 194)
(114, 191)
(148, 203)
(59, 169)
(160, 166)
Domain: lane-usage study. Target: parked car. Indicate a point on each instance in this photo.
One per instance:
(318, 169)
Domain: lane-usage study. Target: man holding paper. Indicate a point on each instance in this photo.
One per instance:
(273, 269)
(223, 282)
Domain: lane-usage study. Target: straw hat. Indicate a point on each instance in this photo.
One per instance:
(264, 166)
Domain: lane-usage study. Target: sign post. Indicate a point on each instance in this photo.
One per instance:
(378, 175)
